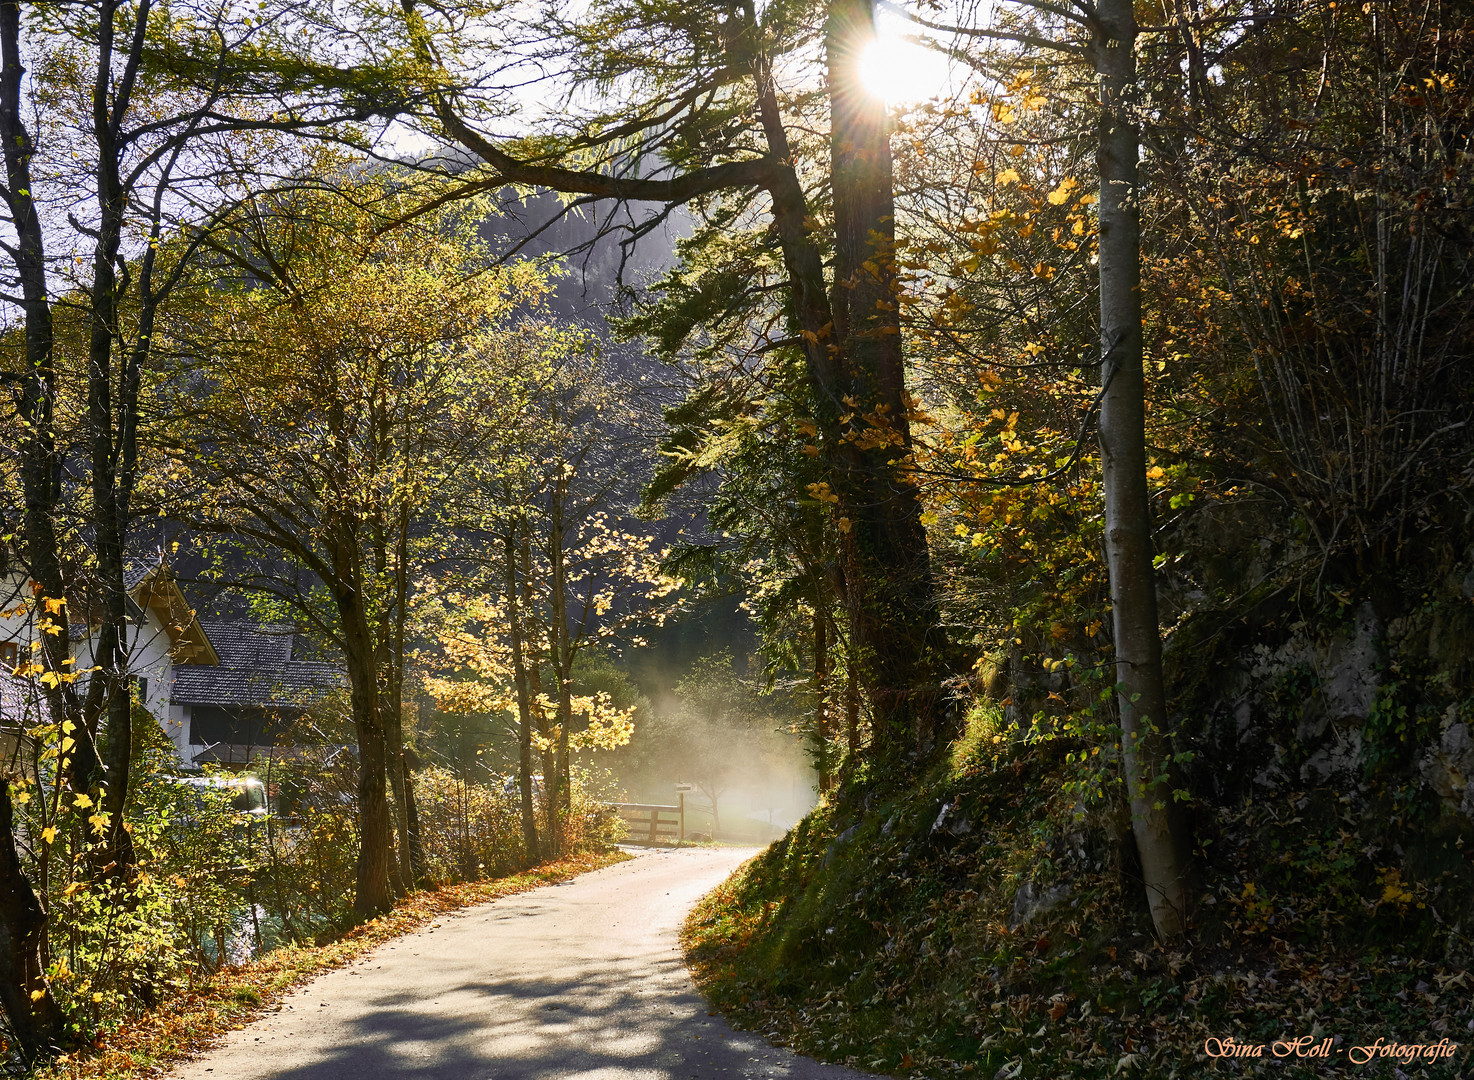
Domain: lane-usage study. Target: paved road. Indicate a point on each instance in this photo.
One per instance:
(579, 980)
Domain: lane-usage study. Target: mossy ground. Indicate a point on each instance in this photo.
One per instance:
(877, 936)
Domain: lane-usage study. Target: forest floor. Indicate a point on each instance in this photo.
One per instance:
(197, 1020)
(963, 923)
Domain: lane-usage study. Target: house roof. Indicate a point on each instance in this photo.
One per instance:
(255, 668)
(138, 568)
(19, 701)
(150, 584)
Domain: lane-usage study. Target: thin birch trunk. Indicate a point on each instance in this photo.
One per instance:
(524, 703)
(1161, 840)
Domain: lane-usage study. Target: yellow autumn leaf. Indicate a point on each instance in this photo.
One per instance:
(82, 802)
(844, 524)
(1006, 177)
(1156, 472)
(48, 834)
(37, 995)
(1058, 196)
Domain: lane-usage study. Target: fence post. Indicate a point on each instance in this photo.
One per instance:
(681, 797)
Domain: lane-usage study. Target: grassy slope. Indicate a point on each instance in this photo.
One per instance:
(872, 937)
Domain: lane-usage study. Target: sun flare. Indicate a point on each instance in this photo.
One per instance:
(899, 72)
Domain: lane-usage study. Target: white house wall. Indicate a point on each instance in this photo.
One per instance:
(148, 658)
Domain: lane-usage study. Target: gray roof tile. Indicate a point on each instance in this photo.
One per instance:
(256, 668)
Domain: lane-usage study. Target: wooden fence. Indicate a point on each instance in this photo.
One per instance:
(651, 823)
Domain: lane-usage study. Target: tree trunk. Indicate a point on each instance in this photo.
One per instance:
(40, 464)
(401, 870)
(534, 692)
(402, 759)
(524, 703)
(411, 763)
(34, 1015)
(1161, 840)
(852, 711)
(112, 417)
(32, 1010)
(821, 702)
(561, 649)
(373, 895)
(891, 594)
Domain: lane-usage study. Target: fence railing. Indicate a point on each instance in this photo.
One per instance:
(652, 823)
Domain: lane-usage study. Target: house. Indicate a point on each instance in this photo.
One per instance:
(251, 700)
(223, 692)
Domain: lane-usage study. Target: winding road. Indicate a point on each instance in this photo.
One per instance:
(583, 979)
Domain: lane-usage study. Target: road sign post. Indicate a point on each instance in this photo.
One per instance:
(681, 790)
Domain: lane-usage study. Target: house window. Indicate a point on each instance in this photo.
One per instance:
(142, 684)
(9, 654)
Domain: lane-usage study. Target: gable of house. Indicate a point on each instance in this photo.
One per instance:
(223, 691)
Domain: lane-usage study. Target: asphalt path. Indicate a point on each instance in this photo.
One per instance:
(583, 979)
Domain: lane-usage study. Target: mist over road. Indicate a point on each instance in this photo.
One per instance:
(578, 980)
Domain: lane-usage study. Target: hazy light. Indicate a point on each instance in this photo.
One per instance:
(899, 71)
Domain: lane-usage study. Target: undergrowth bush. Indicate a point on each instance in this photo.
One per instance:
(308, 848)
(118, 943)
(216, 885)
(468, 830)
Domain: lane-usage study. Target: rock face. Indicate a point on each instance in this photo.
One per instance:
(1364, 700)
(952, 821)
(1032, 900)
(1449, 766)
(1350, 669)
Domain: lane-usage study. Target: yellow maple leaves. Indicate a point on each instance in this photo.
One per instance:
(1061, 193)
(821, 493)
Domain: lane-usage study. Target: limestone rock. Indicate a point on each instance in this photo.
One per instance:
(1449, 766)
(1033, 900)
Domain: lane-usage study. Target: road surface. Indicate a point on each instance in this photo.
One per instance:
(578, 980)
